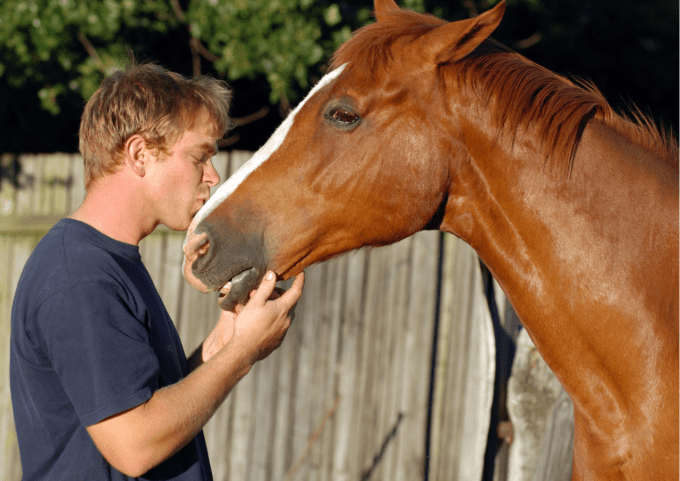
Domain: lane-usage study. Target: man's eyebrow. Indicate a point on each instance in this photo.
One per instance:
(208, 147)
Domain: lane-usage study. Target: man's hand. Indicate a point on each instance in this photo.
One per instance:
(260, 326)
(269, 308)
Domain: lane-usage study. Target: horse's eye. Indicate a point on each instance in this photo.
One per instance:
(343, 116)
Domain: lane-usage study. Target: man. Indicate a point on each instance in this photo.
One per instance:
(101, 388)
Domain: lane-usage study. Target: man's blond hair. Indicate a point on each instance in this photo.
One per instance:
(150, 101)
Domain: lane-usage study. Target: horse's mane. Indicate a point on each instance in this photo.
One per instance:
(524, 95)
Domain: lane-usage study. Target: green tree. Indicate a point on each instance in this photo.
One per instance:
(68, 45)
(54, 53)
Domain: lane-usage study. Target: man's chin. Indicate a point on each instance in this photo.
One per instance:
(178, 225)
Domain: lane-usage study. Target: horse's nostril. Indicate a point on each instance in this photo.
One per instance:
(196, 246)
(203, 247)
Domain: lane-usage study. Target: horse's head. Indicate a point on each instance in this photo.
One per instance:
(362, 161)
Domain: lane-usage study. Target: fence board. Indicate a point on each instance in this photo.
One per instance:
(556, 451)
(465, 367)
(27, 196)
(420, 342)
(542, 417)
(76, 182)
(10, 467)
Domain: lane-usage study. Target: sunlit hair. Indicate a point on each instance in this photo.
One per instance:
(150, 101)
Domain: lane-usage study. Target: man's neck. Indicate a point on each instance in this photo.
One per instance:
(115, 208)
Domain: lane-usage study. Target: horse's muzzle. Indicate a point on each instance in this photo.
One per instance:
(216, 253)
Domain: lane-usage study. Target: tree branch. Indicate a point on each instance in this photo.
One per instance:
(178, 11)
(197, 48)
(89, 48)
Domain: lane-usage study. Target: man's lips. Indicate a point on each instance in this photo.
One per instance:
(201, 202)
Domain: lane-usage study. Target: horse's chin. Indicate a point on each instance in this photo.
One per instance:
(241, 286)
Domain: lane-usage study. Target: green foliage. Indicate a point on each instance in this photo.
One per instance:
(54, 53)
(68, 45)
(277, 39)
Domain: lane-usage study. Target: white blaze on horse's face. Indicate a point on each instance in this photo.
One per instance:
(230, 185)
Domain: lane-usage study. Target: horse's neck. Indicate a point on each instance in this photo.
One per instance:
(582, 257)
(525, 216)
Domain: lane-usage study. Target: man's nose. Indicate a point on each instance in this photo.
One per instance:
(210, 175)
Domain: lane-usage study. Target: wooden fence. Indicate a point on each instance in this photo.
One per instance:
(386, 373)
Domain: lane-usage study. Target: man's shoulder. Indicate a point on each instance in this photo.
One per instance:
(73, 253)
(73, 271)
(74, 244)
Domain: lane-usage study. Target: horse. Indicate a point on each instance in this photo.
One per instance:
(423, 124)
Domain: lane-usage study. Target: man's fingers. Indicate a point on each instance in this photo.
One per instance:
(291, 296)
(285, 298)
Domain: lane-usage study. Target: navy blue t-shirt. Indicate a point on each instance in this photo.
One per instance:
(90, 338)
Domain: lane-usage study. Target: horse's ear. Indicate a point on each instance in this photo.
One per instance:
(381, 7)
(455, 40)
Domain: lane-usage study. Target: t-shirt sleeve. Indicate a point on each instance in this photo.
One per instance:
(99, 348)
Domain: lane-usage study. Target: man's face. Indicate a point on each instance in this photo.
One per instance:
(180, 183)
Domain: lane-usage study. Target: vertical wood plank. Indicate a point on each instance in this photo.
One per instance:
(343, 466)
(8, 191)
(419, 327)
(54, 184)
(236, 159)
(465, 369)
(241, 445)
(29, 185)
(10, 467)
(77, 182)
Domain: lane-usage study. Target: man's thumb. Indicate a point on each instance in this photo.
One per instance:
(265, 288)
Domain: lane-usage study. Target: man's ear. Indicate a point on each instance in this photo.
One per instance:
(137, 155)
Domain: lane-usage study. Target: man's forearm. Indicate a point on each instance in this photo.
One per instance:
(196, 359)
(143, 437)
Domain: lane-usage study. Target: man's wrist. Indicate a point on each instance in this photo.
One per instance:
(196, 359)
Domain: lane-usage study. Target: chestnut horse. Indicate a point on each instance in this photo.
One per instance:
(424, 124)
